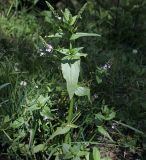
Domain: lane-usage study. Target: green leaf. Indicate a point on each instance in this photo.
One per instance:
(18, 123)
(76, 158)
(34, 107)
(81, 11)
(98, 79)
(130, 127)
(83, 91)
(4, 85)
(70, 71)
(35, 2)
(65, 147)
(60, 131)
(64, 51)
(52, 9)
(80, 34)
(24, 149)
(38, 148)
(57, 35)
(87, 156)
(36, 104)
(42, 100)
(75, 149)
(72, 52)
(96, 154)
(32, 135)
(104, 132)
(81, 54)
(46, 113)
(110, 116)
(73, 20)
(42, 39)
(72, 125)
(57, 158)
(106, 158)
(67, 15)
(99, 116)
(105, 117)
(6, 119)
(82, 153)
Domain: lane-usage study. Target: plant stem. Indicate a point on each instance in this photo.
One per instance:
(69, 118)
(70, 111)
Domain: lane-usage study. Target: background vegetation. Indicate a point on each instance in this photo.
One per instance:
(34, 101)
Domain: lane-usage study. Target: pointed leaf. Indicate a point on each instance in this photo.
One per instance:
(57, 35)
(96, 154)
(67, 15)
(81, 54)
(70, 73)
(64, 51)
(60, 131)
(87, 156)
(73, 20)
(81, 10)
(52, 9)
(83, 91)
(106, 158)
(130, 127)
(104, 132)
(4, 85)
(80, 34)
(76, 158)
(38, 148)
(65, 147)
(46, 113)
(18, 122)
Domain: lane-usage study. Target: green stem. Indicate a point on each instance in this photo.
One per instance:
(70, 111)
(69, 119)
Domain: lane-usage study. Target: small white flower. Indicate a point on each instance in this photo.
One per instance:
(16, 67)
(134, 51)
(114, 126)
(59, 18)
(49, 48)
(36, 86)
(23, 83)
(106, 66)
(42, 54)
(95, 96)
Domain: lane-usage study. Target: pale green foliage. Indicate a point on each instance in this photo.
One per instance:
(80, 34)
(104, 132)
(4, 85)
(62, 130)
(96, 154)
(107, 114)
(19, 27)
(71, 61)
(83, 91)
(71, 74)
(38, 148)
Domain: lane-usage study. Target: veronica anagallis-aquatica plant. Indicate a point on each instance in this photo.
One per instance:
(70, 61)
